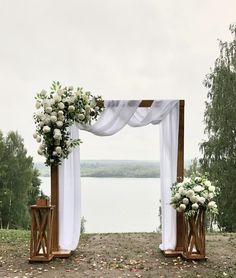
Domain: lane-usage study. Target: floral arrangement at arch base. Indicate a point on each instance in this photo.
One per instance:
(57, 110)
(193, 194)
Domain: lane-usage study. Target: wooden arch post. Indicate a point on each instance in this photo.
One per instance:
(57, 252)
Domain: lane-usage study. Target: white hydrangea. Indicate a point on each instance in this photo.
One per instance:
(57, 98)
(60, 112)
(35, 135)
(40, 151)
(43, 93)
(80, 117)
(194, 199)
(53, 119)
(60, 92)
(201, 200)
(38, 139)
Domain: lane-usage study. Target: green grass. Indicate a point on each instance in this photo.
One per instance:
(14, 235)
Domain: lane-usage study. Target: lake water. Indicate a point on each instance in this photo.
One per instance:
(118, 204)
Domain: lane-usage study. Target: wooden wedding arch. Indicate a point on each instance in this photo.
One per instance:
(57, 252)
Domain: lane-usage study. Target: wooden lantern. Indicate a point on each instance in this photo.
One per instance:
(41, 233)
(194, 243)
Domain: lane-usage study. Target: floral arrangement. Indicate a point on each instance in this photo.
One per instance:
(57, 110)
(192, 194)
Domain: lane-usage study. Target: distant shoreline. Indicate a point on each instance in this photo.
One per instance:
(113, 168)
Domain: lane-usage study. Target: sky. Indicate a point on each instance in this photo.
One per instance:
(120, 49)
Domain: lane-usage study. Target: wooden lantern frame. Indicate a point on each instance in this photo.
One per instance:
(57, 252)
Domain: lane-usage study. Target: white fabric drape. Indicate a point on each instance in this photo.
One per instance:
(168, 172)
(114, 117)
(69, 198)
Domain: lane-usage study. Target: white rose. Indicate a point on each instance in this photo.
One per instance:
(40, 152)
(80, 117)
(48, 109)
(194, 199)
(71, 108)
(187, 180)
(211, 188)
(212, 204)
(59, 123)
(202, 200)
(207, 183)
(54, 153)
(58, 150)
(54, 113)
(182, 191)
(37, 105)
(96, 108)
(61, 105)
(35, 135)
(182, 207)
(46, 129)
(198, 188)
(51, 160)
(185, 201)
(195, 206)
(53, 119)
(60, 113)
(57, 131)
(189, 193)
(41, 124)
(177, 196)
(211, 195)
(38, 139)
(61, 118)
(42, 146)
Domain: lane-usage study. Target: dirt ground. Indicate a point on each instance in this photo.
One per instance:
(118, 256)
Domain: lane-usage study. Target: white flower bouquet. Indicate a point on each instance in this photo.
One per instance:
(57, 110)
(192, 194)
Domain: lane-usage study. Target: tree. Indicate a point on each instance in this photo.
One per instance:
(194, 169)
(219, 150)
(19, 183)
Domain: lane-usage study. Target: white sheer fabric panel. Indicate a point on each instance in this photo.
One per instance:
(115, 116)
(69, 198)
(168, 173)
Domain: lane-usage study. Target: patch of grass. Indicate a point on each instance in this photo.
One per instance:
(14, 235)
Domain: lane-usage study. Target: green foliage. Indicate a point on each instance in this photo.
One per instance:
(219, 150)
(19, 183)
(14, 235)
(194, 169)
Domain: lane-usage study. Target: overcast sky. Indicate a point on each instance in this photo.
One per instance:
(123, 49)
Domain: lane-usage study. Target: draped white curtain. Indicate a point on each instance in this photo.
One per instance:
(114, 117)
